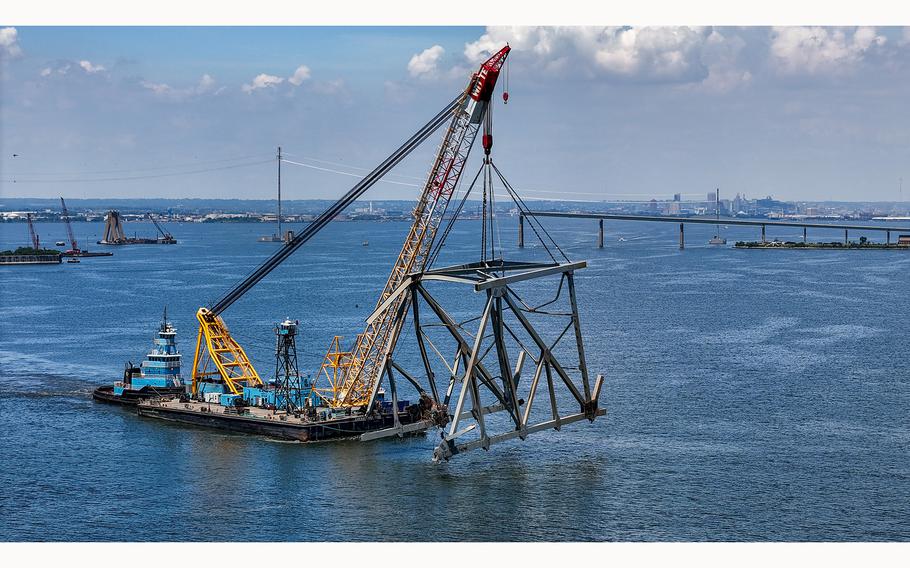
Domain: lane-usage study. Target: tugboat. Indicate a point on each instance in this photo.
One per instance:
(158, 375)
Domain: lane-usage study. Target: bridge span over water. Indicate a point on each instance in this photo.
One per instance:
(763, 223)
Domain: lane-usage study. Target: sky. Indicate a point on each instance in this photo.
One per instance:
(594, 113)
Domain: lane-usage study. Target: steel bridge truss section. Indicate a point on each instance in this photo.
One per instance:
(490, 396)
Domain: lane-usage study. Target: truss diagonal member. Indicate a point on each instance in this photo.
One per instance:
(576, 323)
(532, 393)
(485, 376)
(468, 382)
(541, 344)
(508, 383)
(428, 368)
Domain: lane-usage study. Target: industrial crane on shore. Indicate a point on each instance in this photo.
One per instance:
(219, 357)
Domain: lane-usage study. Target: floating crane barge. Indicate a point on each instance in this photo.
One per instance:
(476, 397)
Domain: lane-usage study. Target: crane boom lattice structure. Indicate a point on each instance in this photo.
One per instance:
(36, 244)
(465, 113)
(369, 357)
(164, 234)
(69, 228)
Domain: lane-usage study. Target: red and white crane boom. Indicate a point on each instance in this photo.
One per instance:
(370, 354)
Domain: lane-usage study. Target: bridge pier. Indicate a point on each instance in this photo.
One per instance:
(682, 236)
(845, 237)
(600, 234)
(805, 233)
(888, 237)
(762, 233)
(521, 231)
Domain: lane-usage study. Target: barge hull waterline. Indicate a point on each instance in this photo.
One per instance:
(132, 398)
(351, 427)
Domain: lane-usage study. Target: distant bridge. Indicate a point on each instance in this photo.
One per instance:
(704, 220)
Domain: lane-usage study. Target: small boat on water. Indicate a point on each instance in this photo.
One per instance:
(158, 375)
(60, 244)
(73, 260)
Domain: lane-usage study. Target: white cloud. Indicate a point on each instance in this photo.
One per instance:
(9, 43)
(57, 68)
(90, 67)
(721, 56)
(667, 53)
(157, 88)
(425, 63)
(300, 75)
(262, 81)
(206, 84)
(818, 50)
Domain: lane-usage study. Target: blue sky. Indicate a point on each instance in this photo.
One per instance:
(594, 113)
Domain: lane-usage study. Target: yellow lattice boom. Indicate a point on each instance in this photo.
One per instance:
(335, 367)
(222, 352)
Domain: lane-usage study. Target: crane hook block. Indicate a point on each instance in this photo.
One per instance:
(505, 97)
(487, 143)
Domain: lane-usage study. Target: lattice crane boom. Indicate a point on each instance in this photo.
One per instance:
(371, 351)
(164, 233)
(69, 227)
(36, 244)
(215, 347)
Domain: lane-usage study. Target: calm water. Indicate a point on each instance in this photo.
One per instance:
(751, 395)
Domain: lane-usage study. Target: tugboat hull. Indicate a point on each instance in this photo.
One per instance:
(130, 397)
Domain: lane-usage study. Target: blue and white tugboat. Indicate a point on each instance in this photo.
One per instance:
(158, 375)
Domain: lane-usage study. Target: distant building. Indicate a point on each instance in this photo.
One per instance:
(677, 197)
(711, 197)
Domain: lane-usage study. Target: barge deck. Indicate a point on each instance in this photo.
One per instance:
(280, 425)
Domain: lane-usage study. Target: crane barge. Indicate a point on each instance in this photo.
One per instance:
(74, 251)
(227, 391)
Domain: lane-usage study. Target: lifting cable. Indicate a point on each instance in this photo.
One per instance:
(325, 217)
(530, 216)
